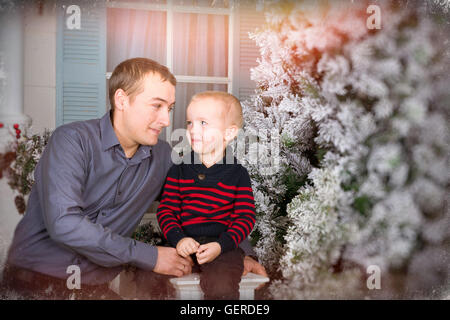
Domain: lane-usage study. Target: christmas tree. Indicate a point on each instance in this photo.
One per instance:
(359, 118)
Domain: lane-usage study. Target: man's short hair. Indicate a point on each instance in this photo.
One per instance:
(128, 76)
(233, 108)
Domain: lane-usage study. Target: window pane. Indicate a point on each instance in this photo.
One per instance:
(184, 93)
(135, 33)
(200, 44)
(203, 3)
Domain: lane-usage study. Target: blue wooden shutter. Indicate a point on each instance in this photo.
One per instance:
(81, 64)
(246, 51)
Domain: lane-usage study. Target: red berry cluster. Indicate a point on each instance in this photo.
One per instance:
(16, 127)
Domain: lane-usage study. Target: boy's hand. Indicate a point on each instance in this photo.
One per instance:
(208, 252)
(187, 246)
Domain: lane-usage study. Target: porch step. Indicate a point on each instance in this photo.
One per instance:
(188, 287)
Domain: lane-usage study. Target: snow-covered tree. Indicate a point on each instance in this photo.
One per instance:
(362, 120)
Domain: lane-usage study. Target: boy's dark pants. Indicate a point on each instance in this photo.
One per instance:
(220, 278)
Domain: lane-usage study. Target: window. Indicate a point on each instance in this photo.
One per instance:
(194, 39)
(204, 43)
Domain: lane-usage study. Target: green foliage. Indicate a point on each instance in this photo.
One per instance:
(19, 162)
(363, 205)
(320, 154)
(28, 152)
(146, 233)
(255, 237)
(293, 183)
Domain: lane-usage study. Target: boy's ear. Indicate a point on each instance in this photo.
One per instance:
(231, 132)
(120, 99)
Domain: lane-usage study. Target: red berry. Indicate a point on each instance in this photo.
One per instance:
(18, 131)
(16, 126)
(18, 136)
(1, 124)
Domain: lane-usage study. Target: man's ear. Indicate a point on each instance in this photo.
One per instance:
(120, 99)
(231, 132)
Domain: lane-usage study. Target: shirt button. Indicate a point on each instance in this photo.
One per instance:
(201, 176)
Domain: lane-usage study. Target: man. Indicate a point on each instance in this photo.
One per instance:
(93, 183)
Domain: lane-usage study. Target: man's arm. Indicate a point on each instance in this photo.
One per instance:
(246, 246)
(60, 179)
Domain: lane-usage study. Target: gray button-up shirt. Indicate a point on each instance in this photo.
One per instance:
(87, 200)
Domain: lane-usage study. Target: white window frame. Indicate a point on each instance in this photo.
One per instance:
(170, 8)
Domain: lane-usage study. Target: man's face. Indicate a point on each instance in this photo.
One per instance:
(148, 114)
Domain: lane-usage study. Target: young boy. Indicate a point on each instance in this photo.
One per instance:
(207, 206)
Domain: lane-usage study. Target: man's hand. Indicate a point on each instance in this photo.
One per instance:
(170, 263)
(208, 252)
(250, 265)
(187, 246)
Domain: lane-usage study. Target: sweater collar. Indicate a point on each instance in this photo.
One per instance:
(219, 165)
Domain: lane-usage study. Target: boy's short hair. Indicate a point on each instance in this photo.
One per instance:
(128, 76)
(233, 108)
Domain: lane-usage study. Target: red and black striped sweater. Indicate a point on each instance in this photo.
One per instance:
(213, 202)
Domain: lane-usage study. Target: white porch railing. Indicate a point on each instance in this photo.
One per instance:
(188, 287)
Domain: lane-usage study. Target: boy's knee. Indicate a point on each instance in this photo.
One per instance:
(222, 288)
(220, 278)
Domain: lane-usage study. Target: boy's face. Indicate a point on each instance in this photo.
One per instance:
(207, 127)
(148, 114)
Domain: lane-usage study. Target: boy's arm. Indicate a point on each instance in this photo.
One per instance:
(243, 215)
(170, 207)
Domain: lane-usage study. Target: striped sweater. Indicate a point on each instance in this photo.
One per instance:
(213, 202)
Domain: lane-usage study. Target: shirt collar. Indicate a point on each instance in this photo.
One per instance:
(108, 136)
(142, 152)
